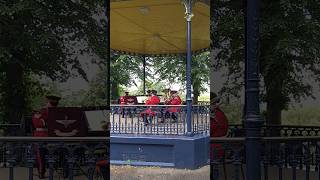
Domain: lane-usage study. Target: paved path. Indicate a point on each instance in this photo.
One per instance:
(21, 173)
(157, 173)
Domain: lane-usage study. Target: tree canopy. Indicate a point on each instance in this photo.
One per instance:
(45, 38)
(289, 49)
(173, 69)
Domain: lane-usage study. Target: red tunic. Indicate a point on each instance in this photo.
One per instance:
(218, 128)
(122, 100)
(153, 100)
(175, 101)
(39, 124)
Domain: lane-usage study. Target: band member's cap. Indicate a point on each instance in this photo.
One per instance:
(36, 111)
(166, 90)
(173, 91)
(148, 91)
(154, 91)
(53, 97)
(214, 98)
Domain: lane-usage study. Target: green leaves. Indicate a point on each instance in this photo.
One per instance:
(45, 39)
(289, 47)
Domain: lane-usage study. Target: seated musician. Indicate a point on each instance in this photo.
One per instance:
(175, 100)
(218, 125)
(39, 122)
(166, 96)
(127, 100)
(149, 113)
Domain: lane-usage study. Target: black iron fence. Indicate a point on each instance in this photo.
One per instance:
(158, 119)
(284, 158)
(237, 130)
(65, 157)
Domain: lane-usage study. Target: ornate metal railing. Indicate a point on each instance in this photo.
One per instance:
(158, 119)
(237, 130)
(78, 156)
(291, 158)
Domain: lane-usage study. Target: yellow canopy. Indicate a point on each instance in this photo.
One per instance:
(157, 27)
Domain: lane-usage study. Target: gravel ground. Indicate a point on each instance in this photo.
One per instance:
(158, 173)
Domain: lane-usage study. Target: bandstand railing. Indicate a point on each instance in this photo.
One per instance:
(284, 158)
(79, 156)
(158, 119)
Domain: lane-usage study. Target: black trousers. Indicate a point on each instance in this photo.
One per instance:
(41, 153)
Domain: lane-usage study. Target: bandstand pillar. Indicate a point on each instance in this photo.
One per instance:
(253, 120)
(188, 6)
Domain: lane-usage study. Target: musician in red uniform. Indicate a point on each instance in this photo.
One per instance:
(102, 164)
(39, 121)
(218, 125)
(175, 100)
(130, 100)
(150, 112)
(123, 101)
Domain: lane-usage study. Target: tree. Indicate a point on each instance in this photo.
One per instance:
(44, 38)
(289, 49)
(174, 70)
(125, 71)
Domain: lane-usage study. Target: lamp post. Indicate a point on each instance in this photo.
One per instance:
(188, 6)
(253, 121)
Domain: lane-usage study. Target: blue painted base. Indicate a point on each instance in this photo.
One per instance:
(165, 151)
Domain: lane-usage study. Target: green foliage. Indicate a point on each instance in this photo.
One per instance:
(44, 36)
(304, 116)
(289, 48)
(125, 71)
(44, 39)
(173, 69)
(233, 112)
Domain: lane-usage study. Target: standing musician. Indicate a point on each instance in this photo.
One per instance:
(218, 125)
(40, 130)
(149, 113)
(39, 122)
(102, 165)
(175, 100)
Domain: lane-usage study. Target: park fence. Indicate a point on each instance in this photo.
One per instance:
(86, 157)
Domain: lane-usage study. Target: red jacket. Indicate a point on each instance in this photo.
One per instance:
(122, 100)
(152, 100)
(175, 101)
(219, 124)
(39, 124)
(218, 128)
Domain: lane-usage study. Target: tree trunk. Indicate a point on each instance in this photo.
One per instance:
(15, 96)
(273, 112)
(275, 105)
(114, 91)
(196, 94)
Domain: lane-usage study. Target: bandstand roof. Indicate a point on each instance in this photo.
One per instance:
(157, 27)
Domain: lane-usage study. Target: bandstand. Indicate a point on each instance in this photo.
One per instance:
(151, 28)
